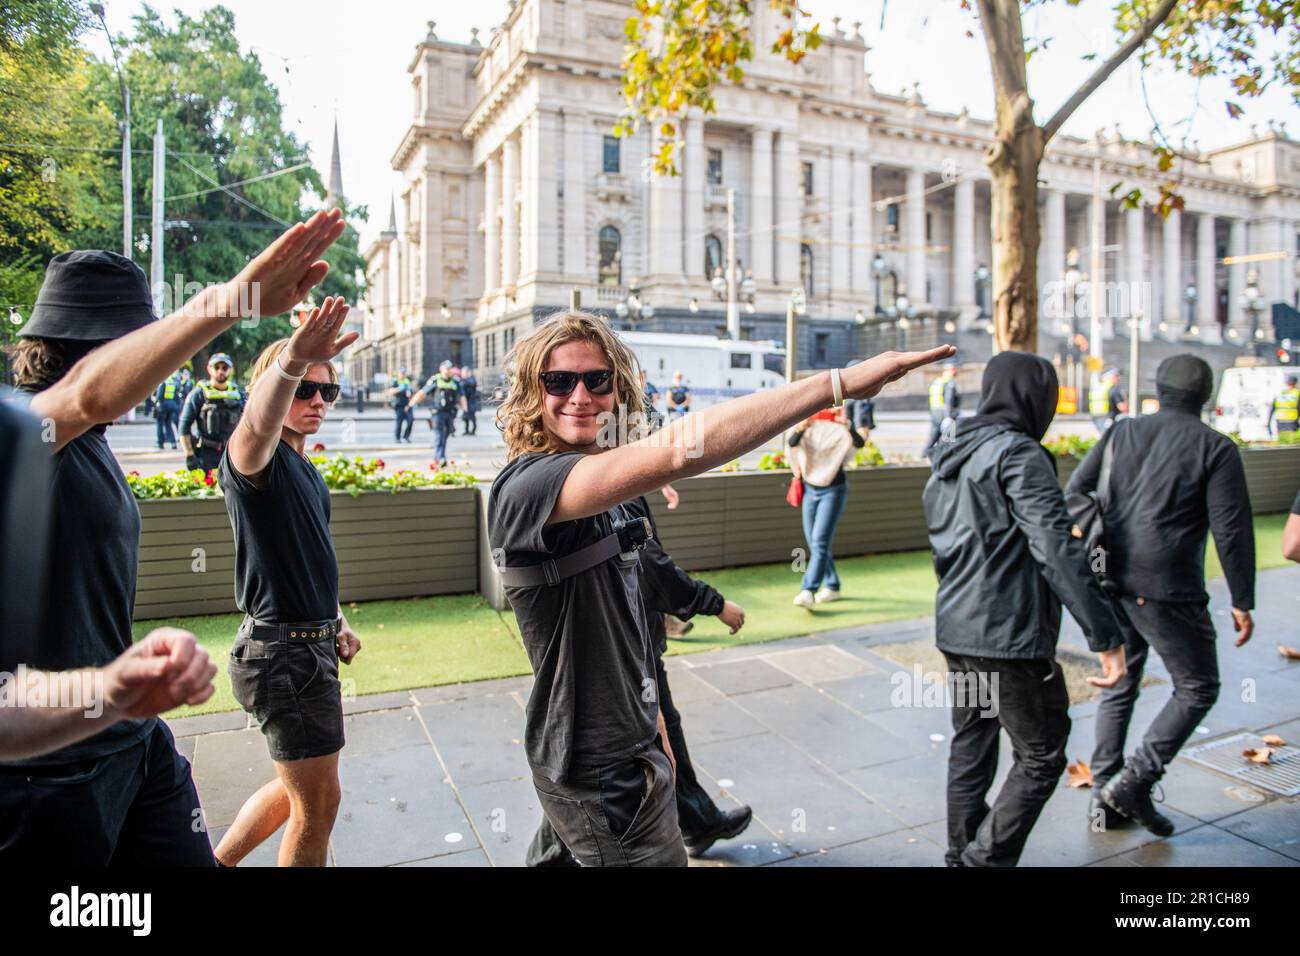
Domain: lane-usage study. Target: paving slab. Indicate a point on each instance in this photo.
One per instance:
(743, 676)
(904, 848)
(377, 731)
(228, 767)
(480, 739)
(506, 814)
(1207, 846)
(397, 807)
(1275, 824)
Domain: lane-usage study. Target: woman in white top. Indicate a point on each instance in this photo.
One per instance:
(819, 447)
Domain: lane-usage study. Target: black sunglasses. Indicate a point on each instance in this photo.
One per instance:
(328, 390)
(598, 381)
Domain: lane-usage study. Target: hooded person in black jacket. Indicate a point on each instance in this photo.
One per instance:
(1006, 560)
(1180, 479)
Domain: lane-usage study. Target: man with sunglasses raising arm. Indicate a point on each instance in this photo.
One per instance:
(567, 550)
(284, 663)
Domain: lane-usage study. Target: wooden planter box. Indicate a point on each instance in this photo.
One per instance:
(423, 541)
(736, 519)
(1273, 477)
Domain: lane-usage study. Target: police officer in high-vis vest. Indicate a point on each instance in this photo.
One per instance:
(447, 400)
(1106, 400)
(1285, 409)
(167, 405)
(214, 407)
(945, 403)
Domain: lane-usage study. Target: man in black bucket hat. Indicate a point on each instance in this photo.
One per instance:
(92, 350)
(1181, 480)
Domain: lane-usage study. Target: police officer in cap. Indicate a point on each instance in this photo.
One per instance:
(1106, 400)
(214, 406)
(447, 399)
(1285, 410)
(945, 403)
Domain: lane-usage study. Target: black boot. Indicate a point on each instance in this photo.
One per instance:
(727, 824)
(1110, 819)
(1130, 796)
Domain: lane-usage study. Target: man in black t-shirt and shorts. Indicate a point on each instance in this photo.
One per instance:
(567, 547)
(91, 351)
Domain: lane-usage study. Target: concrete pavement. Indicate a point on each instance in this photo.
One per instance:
(804, 731)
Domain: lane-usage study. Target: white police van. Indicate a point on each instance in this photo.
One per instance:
(1245, 397)
(713, 369)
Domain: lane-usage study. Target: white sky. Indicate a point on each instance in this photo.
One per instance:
(349, 59)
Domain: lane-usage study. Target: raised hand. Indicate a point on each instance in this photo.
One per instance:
(285, 271)
(318, 339)
(866, 379)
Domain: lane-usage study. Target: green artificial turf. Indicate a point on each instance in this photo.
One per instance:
(422, 642)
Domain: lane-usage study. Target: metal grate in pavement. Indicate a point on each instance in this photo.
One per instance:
(1282, 776)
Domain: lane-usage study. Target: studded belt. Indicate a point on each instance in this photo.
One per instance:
(304, 631)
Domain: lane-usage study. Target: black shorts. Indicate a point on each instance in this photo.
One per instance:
(292, 689)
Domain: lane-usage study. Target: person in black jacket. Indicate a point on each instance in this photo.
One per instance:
(1179, 479)
(1006, 560)
(667, 589)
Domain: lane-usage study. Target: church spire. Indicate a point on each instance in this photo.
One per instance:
(334, 195)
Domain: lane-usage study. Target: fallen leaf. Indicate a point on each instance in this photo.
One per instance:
(1273, 740)
(1079, 775)
(1261, 755)
(1290, 653)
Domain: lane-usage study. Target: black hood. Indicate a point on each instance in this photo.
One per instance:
(1019, 390)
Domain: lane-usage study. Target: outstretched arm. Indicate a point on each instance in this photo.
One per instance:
(96, 390)
(706, 439)
(316, 340)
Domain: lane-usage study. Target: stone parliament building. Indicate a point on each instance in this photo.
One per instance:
(515, 191)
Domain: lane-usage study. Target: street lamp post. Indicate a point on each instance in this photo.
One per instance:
(1253, 300)
(795, 306)
(982, 276)
(906, 312)
(633, 306)
(1189, 296)
(1072, 278)
(125, 126)
(878, 270)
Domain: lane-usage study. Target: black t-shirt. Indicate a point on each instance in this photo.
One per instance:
(594, 699)
(285, 567)
(25, 468)
(94, 546)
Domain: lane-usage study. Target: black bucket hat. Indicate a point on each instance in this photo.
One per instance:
(90, 295)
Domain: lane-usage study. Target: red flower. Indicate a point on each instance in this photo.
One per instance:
(134, 474)
(379, 462)
(210, 479)
(318, 447)
(433, 466)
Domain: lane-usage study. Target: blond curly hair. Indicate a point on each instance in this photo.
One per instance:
(519, 418)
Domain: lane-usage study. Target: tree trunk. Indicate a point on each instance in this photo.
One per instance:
(1013, 165)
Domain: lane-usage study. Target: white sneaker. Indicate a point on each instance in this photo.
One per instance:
(804, 599)
(826, 594)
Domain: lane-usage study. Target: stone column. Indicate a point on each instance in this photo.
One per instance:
(1135, 265)
(1237, 318)
(542, 209)
(509, 211)
(575, 155)
(1055, 253)
(1172, 308)
(914, 235)
(789, 210)
(862, 254)
(431, 222)
(963, 245)
(840, 202)
(693, 171)
(761, 241)
(665, 254)
(491, 224)
(1207, 296)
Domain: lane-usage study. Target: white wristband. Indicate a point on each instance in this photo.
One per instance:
(280, 370)
(837, 389)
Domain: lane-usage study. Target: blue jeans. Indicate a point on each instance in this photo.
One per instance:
(822, 508)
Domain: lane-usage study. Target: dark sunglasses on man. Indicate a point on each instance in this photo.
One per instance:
(328, 390)
(598, 381)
